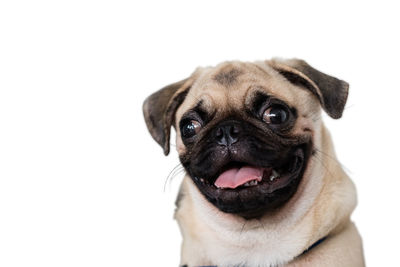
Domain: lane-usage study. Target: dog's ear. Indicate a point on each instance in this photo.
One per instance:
(331, 92)
(159, 110)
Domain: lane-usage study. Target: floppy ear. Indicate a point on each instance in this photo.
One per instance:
(159, 111)
(331, 92)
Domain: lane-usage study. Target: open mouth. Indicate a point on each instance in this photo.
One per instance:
(249, 190)
(245, 176)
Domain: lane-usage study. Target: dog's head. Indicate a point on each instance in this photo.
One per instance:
(245, 131)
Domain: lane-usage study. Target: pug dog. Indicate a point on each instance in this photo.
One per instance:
(263, 186)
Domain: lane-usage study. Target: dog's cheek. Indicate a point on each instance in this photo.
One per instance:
(180, 147)
(304, 126)
(308, 113)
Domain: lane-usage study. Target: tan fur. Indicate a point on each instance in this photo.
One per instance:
(321, 207)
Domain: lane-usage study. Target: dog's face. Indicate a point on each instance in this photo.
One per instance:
(245, 130)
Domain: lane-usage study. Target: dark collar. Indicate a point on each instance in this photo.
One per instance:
(304, 252)
(312, 246)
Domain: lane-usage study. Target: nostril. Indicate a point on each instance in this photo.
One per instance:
(234, 131)
(220, 136)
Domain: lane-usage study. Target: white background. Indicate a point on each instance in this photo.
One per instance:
(81, 180)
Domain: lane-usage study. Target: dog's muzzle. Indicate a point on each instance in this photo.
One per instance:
(241, 171)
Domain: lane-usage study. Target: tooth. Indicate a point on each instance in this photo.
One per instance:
(251, 183)
(274, 175)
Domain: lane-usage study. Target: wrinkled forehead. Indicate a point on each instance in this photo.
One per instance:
(233, 85)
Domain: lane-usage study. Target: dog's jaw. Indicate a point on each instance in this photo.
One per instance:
(217, 238)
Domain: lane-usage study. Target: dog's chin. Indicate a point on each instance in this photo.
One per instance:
(252, 198)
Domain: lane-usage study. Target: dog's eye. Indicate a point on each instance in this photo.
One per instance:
(275, 114)
(191, 128)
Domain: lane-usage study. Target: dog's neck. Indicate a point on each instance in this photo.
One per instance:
(322, 204)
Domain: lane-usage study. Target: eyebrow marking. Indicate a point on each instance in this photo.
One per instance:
(227, 77)
(200, 110)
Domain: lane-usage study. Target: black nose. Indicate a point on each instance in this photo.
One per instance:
(227, 134)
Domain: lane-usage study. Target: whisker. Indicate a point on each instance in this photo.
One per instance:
(323, 164)
(262, 225)
(241, 230)
(333, 158)
(175, 171)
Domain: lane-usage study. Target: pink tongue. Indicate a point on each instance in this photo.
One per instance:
(235, 177)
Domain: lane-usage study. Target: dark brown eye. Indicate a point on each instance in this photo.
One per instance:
(191, 128)
(275, 115)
